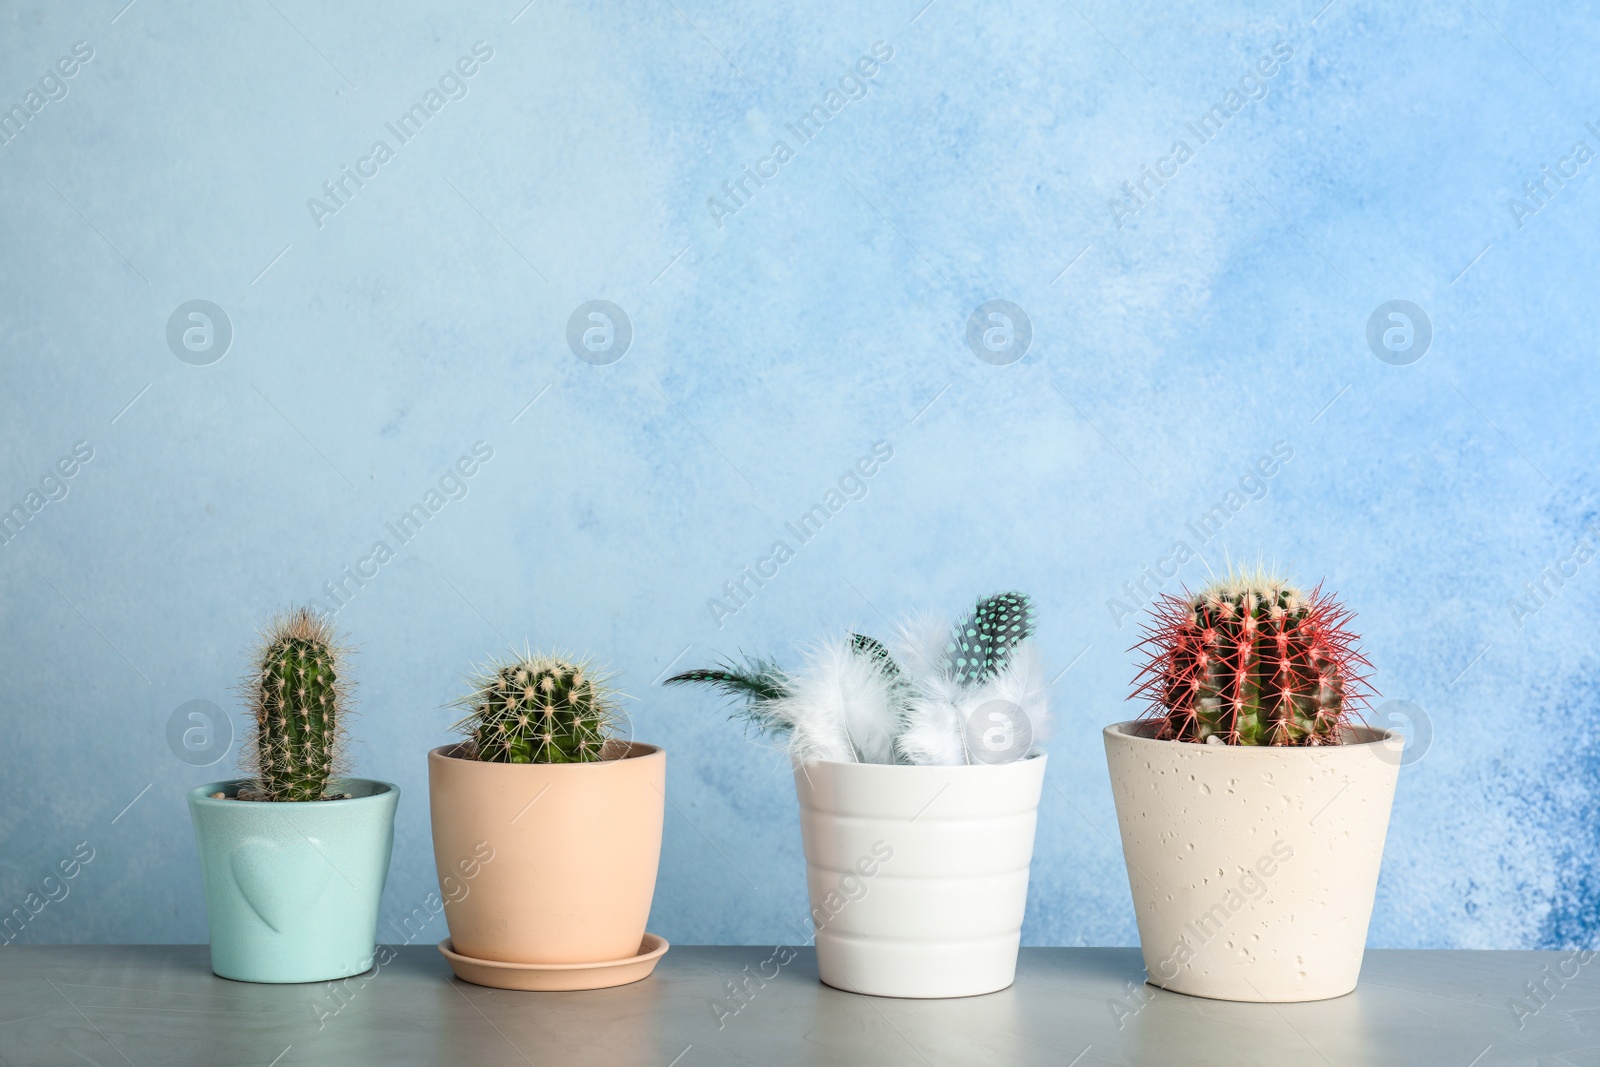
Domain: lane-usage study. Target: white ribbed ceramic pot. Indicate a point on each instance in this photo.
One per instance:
(918, 875)
(1253, 869)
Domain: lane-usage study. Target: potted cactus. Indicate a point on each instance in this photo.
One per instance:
(572, 816)
(918, 779)
(294, 856)
(1252, 801)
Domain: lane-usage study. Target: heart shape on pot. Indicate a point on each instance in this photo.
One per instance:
(279, 879)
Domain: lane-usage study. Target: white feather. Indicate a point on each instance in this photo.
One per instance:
(933, 734)
(938, 715)
(1021, 681)
(841, 707)
(921, 645)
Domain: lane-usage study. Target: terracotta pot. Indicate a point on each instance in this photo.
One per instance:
(918, 875)
(1253, 869)
(547, 863)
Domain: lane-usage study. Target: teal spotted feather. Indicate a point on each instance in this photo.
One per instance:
(983, 640)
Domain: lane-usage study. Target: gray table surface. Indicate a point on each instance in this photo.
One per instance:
(160, 1005)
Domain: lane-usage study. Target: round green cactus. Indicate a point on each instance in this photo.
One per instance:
(298, 693)
(538, 709)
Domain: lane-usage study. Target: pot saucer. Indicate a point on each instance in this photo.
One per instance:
(556, 976)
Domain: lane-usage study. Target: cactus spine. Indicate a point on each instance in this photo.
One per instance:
(298, 693)
(1250, 660)
(538, 709)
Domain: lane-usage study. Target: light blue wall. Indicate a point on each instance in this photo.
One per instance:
(1172, 347)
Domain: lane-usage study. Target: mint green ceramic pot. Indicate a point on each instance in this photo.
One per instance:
(292, 888)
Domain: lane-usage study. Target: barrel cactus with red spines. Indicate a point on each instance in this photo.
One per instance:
(1251, 660)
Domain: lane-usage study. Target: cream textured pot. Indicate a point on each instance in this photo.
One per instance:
(548, 863)
(918, 875)
(1252, 868)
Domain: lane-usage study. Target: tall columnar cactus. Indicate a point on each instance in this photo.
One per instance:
(299, 692)
(538, 709)
(1250, 660)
